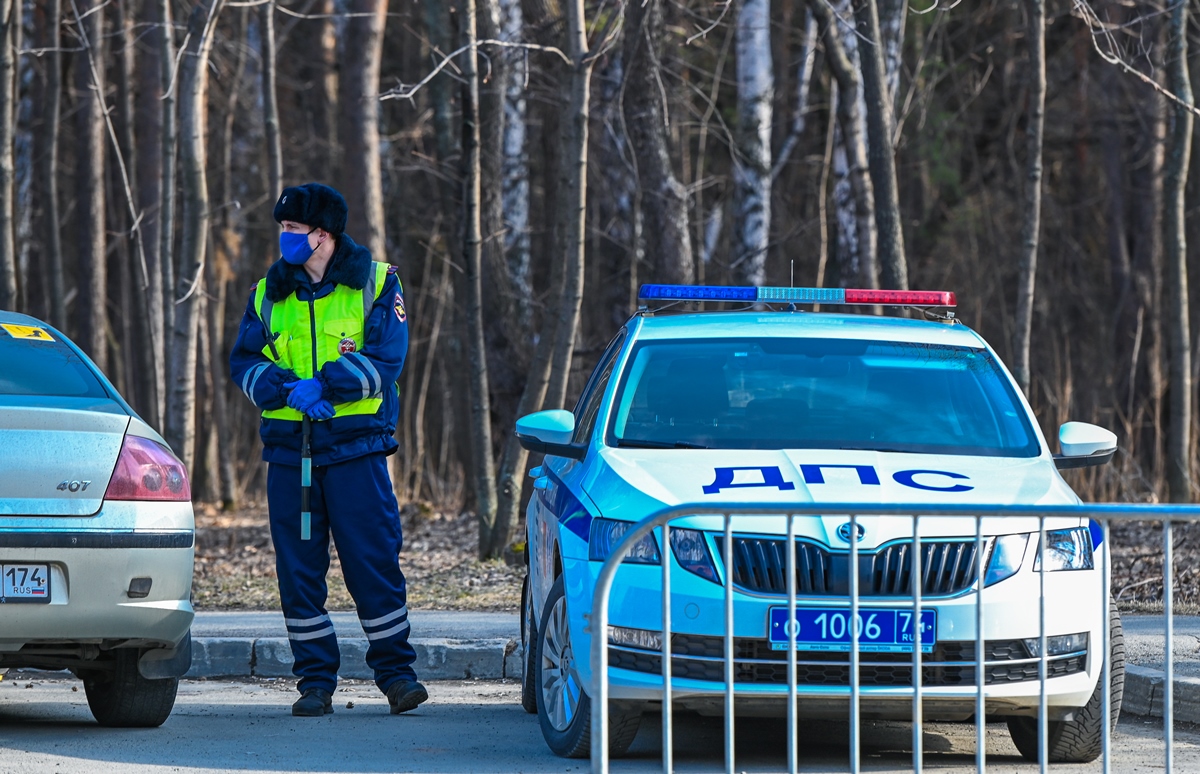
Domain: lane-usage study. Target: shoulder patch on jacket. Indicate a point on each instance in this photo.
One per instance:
(392, 269)
(398, 308)
(254, 286)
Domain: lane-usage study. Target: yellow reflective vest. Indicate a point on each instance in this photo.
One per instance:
(305, 335)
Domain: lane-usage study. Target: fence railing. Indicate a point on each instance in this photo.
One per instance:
(1104, 515)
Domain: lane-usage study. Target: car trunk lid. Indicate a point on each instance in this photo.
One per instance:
(57, 454)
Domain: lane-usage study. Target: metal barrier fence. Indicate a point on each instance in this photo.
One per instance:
(1105, 515)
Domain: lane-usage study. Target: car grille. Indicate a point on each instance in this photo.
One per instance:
(760, 565)
(950, 664)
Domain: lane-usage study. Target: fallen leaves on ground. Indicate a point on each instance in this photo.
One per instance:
(235, 564)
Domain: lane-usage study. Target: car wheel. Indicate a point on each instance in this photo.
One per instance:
(122, 698)
(563, 707)
(1079, 740)
(529, 649)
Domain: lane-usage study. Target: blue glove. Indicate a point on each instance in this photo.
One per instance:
(322, 409)
(304, 394)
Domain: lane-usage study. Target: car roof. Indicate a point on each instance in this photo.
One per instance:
(805, 325)
(16, 318)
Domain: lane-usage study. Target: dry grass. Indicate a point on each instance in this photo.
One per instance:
(235, 564)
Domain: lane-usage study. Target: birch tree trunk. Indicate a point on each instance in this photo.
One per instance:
(667, 240)
(46, 150)
(514, 171)
(166, 234)
(362, 181)
(892, 17)
(266, 16)
(752, 161)
(880, 152)
(1035, 34)
(1179, 149)
(194, 217)
(855, 170)
(89, 186)
(484, 474)
(10, 30)
(845, 206)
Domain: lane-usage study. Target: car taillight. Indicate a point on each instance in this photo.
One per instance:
(147, 470)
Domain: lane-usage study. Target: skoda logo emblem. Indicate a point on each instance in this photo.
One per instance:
(844, 531)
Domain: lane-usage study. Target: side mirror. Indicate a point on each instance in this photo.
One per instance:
(550, 432)
(1084, 445)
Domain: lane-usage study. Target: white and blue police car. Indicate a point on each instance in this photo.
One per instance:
(784, 407)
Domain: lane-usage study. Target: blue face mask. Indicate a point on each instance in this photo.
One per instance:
(295, 247)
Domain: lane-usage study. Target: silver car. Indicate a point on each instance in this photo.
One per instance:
(96, 531)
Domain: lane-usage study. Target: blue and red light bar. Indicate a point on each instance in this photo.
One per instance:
(845, 296)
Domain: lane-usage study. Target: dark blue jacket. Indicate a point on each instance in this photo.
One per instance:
(385, 345)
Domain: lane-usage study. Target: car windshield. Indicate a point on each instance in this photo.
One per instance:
(796, 393)
(35, 361)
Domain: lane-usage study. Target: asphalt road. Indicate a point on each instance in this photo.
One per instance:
(466, 727)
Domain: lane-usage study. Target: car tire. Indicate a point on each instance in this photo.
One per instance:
(529, 638)
(564, 709)
(1079, 740)
(122, 698)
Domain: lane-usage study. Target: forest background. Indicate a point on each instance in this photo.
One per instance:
(1034, 156)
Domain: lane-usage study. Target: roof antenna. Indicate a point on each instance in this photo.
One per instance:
(792, 281)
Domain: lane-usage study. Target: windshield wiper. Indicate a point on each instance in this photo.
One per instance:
(624, 444)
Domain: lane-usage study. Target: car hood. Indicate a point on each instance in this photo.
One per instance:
(630, 484)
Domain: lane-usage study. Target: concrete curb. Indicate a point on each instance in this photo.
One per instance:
(1145, 689)
(437, 659)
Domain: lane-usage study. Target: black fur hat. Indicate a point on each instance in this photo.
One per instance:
(313, 204)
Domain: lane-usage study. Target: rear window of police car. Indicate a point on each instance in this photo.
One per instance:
(35, 361)
(797, 393)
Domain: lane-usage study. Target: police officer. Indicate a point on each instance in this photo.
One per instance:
(324, 336)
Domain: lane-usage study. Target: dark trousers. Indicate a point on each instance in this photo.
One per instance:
(354, 502)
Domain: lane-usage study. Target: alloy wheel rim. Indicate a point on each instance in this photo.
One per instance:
(560, 684)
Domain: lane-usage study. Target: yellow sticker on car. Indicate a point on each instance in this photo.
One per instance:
(27, 332)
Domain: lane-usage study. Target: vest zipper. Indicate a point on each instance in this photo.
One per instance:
(312, 325)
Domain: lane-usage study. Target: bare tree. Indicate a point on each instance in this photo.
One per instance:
(752, 161)
(515, 164)
(361, 177)
(1179, 150)
(850, 122)
(665, 232)
(89, 184)
(893, 265)
(1035, 34)
(270, 101)
(166, 233)
(148, 172)
(10, 30)
(194, 220)
(46, 152)
(484, 477)
(572, 218)
(551, 366)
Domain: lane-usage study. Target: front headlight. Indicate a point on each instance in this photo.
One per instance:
(691, 551)
(1066, 549)
(1008, 552)
(607, 533)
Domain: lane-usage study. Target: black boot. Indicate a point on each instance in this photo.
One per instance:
(405, 695)
(314, 703)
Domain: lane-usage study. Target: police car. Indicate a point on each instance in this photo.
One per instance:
(779, 406)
